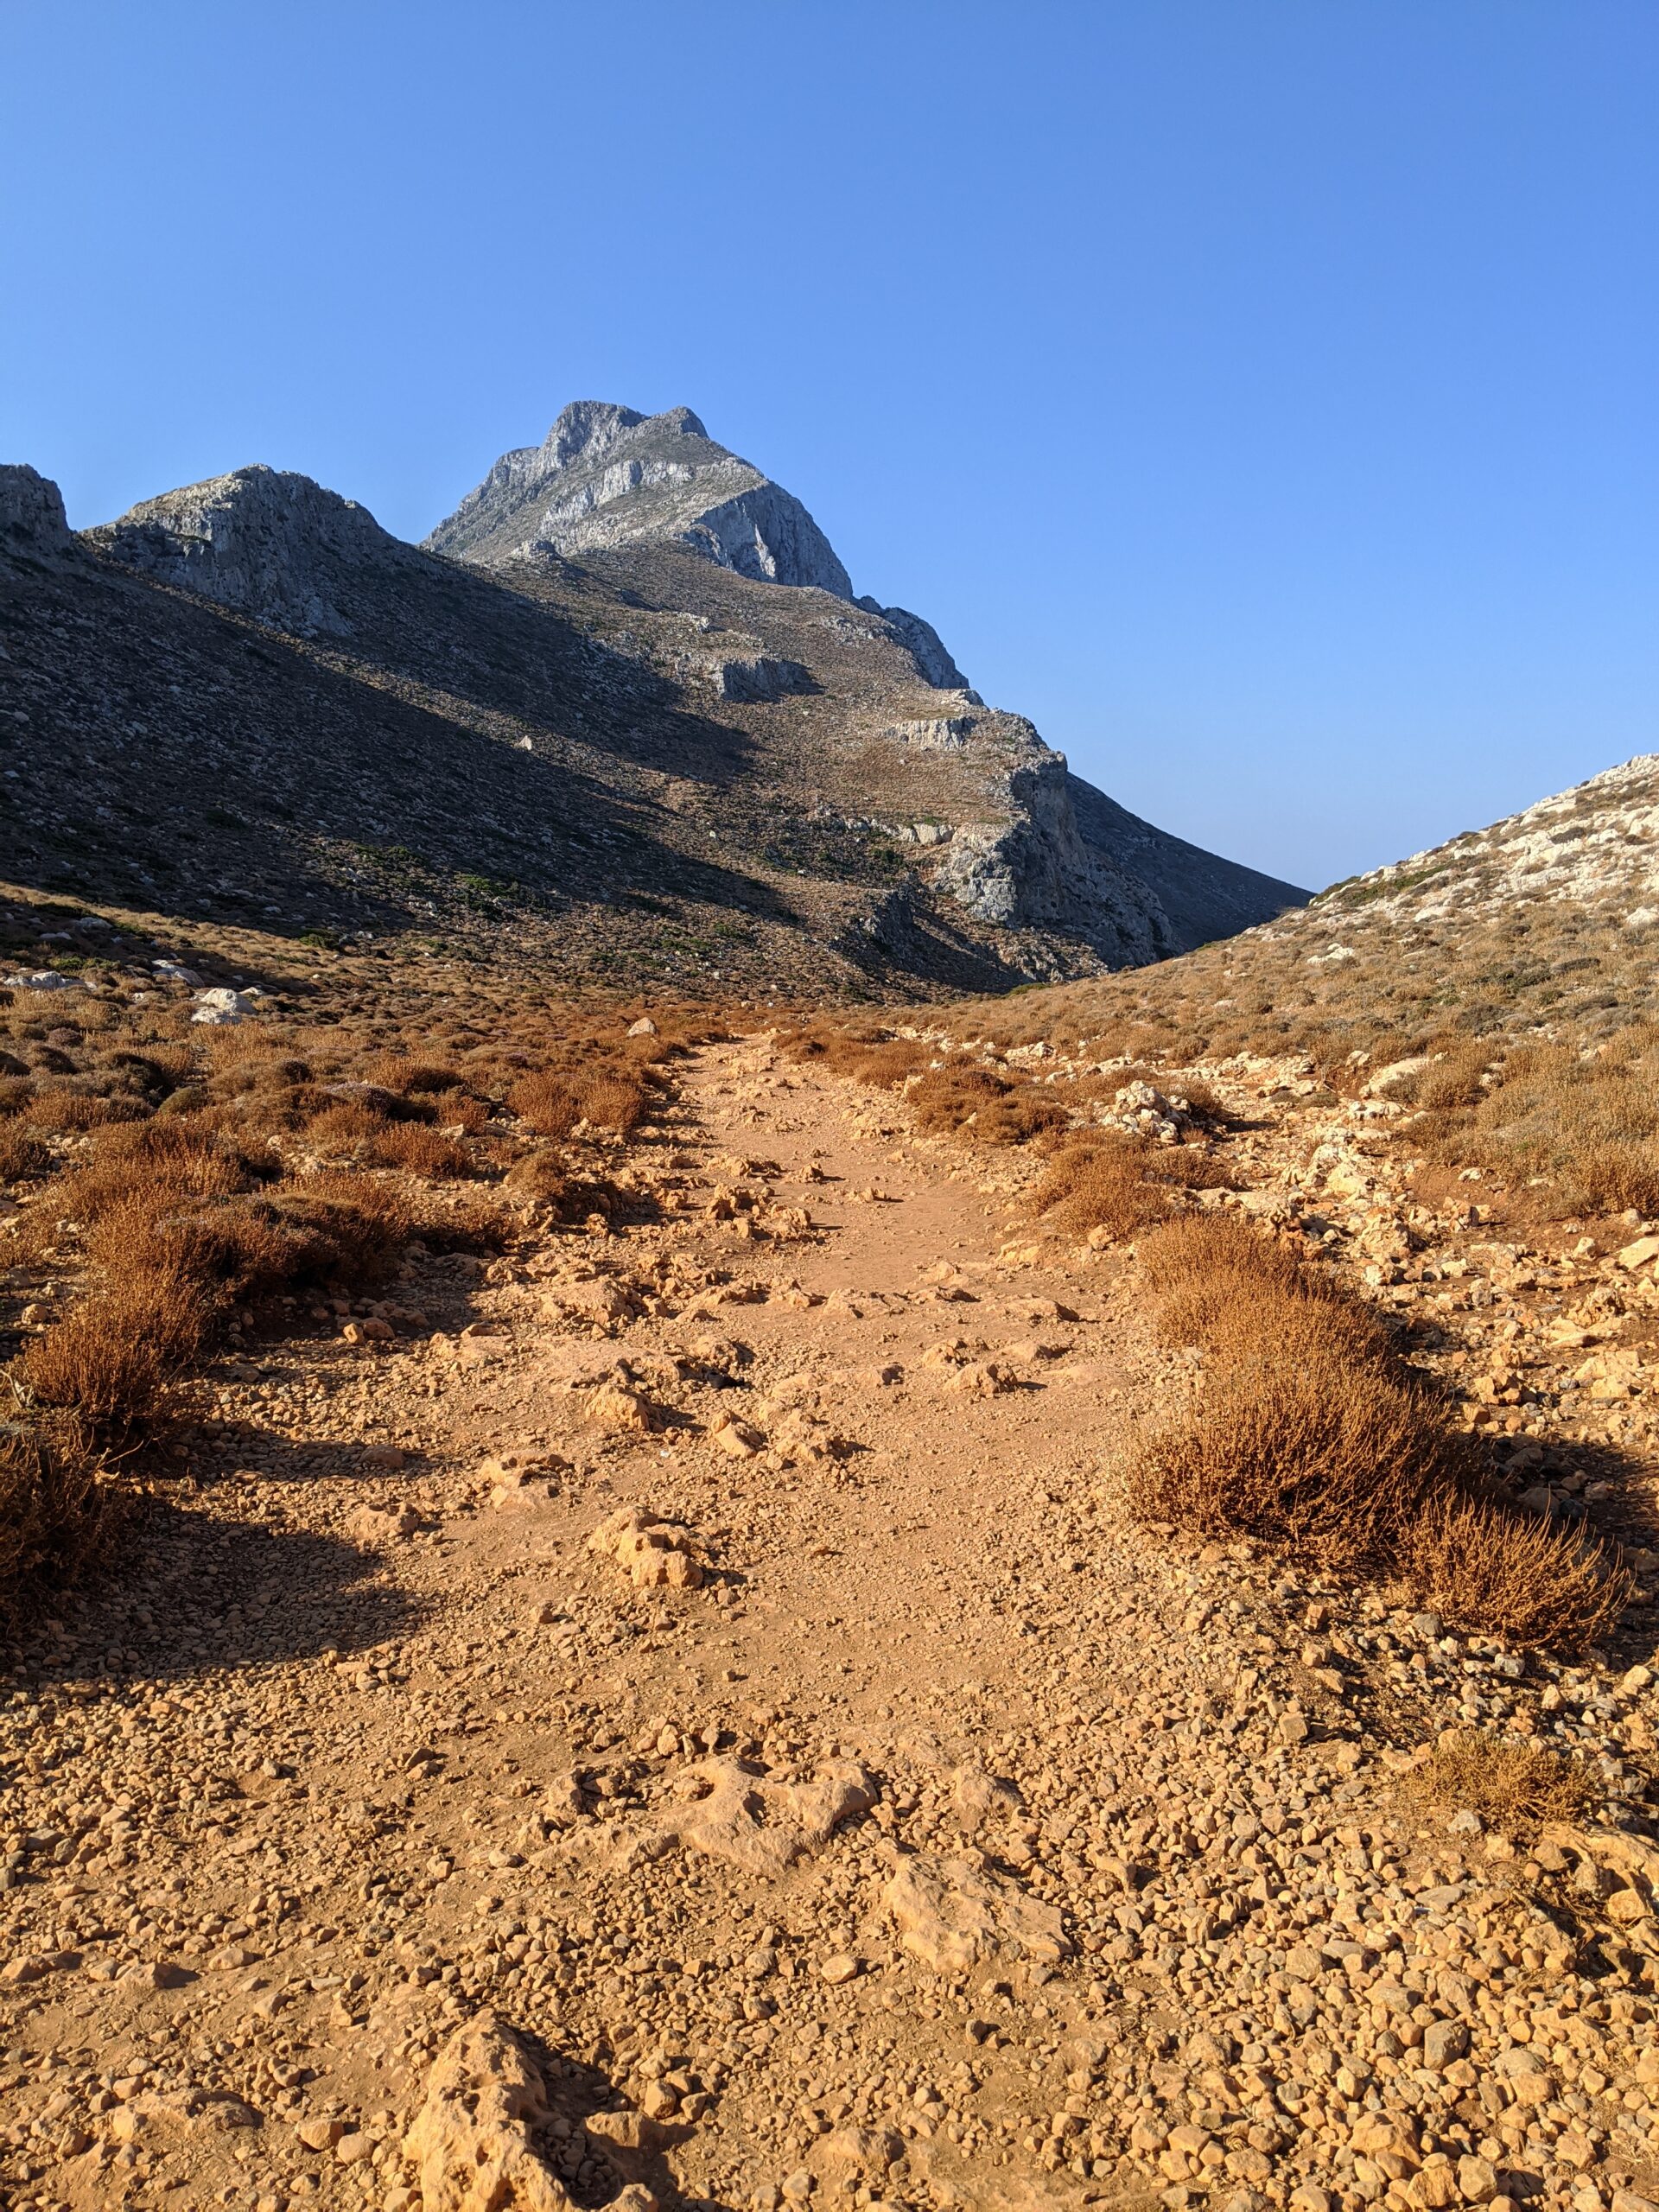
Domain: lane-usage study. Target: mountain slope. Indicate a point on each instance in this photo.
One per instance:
(644, 763)
(1544, 925)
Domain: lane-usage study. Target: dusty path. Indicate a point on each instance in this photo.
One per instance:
(949, 1841)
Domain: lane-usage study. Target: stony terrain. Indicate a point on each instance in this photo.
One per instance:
(1537, 928)
(246, 701)
(684, 1710)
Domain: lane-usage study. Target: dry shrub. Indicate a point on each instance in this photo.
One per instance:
(60, 1112)
(113, 1360)
(1588, 1122)
(1328, 1458)
(1309, 1433)
(1230, 1287)
(549, 1105)
(866, 1054)
(421, 1151)
(343, 1128)
(411, 1078)
(16, 1091)
(466, 1113)
(1204, 1102)
(1488, 1568)
(20, 1154)
(1199, 1246)
(1512, 1785)
(610, 1100)
(476, 1225)
(541, 1175)
(984, 1108)
(55, 1509)
(1101, 1184)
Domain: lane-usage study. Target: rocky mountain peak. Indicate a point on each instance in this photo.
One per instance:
(606, 478)
(32, 522)
(274, 543)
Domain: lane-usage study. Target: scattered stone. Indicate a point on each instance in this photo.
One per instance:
(733, 1812)
(950, 1916)
(655, 1555)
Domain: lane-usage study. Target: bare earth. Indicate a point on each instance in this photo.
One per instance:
(915, 1832)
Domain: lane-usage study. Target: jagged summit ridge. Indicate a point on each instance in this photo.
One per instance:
(262, 539)
(606, 476)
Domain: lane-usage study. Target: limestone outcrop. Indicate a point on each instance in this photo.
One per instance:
(264, 540)
(32, 524)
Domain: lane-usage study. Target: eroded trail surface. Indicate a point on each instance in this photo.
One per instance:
(870, 1815)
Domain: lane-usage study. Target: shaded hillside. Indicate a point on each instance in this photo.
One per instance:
(245, 699)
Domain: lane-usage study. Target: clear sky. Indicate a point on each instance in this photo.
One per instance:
(1260, 394)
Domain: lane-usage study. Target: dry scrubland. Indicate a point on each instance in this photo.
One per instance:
(1046, 1601)
(176, 1184)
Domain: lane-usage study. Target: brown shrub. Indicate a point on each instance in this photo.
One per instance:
(1196, 1246)
(1512, 1785)
(20, 1154)
(1101, 1184)
(945, 1098)
(542, 1175)
(1309, 1432)
(114, 1359)
(421, 1151)
(1485, 1567)
(412, 1078)
(862, 1053)
(610, 1100)
(1590, 1124)
(549, 1105)
(344, 1128)
(1304, 1449)
(55, 1510)
(61, 1111)
(985, 1108)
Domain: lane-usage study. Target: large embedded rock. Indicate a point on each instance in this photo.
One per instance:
(273, 544)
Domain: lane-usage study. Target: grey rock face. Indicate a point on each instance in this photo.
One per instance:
(1034, 870)
(925, 645)
(937, 734)
(32, 523)
(606, 476)
(762, 677)
(275, 544)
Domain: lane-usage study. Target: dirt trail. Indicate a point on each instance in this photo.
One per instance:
(945, 1841)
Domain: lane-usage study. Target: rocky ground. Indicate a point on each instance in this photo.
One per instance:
(684, 1709)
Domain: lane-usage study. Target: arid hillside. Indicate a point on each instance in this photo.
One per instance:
(668, 760)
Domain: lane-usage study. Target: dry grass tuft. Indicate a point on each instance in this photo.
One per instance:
(549, 1105)
(866, 1054)
(1327, 1458)
(55, 1509)
(983, 1107)
(1512, 1785)
(1486, 1567)
(1101, 1184)
(114, 1361)
(1310, 1434)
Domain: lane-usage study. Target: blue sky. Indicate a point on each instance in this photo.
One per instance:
(1257, 393)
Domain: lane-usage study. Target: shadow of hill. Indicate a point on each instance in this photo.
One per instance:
(181, 759)
(196, 1592)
